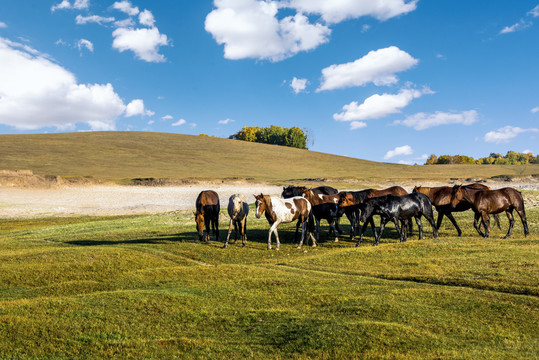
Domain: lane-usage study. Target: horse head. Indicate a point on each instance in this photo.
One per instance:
(199, 220)
(261, 204)
(345, 199)
(456, 195)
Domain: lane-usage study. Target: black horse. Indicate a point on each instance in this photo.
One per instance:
(398, 208)
(291, 191)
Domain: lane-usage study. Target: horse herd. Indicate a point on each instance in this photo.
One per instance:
(310, 206)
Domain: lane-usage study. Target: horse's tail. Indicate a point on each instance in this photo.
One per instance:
(311, 222)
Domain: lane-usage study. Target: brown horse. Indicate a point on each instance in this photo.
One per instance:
(207, 214)
(279, 211)
(324, 207)
(352, 202)
(440, 197)
(485, 202)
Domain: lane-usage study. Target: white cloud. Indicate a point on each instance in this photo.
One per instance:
(146, 18)
(298, 85)
(81, 20)
(179, 122)
(3, 25)
(377, 106)
(399, 151)
(126, 7)
(422, 121)
(354, 125)
(65, 4)
(365, 28)
(136, 107)
(251, 29)
(167, 117)
(506, 133)
(534, 12)
(521, 25)
(124, 23)
(83, 43)
(226, 121)
(337, 11)
(378, 67)
(36, 92)
(535, 109)
(143, 42)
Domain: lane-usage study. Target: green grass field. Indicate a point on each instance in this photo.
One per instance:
(144, 287)
(121, 156)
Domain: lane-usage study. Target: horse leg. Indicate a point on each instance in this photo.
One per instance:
(485, 219)
(373, 227)
(215, 224)
(383, 222)
(363, 228)
(476, 217)
(338, 224)
(400, 229)
(522, 214)
(244, 231)
(236, 224)
(404, 230)
(420, 226)
(228, 235)
(509, 214)
(272, 229)
(453, 221)
(352, 219)
(317, 233)
(297, 231)
(332, 227)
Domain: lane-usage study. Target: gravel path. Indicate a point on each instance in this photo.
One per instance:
(17, 202)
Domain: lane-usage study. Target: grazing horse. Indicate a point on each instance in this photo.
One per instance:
(279, 211)
(440, 197)
(398, 208)
(352, 202)
(291, 191)
(485, 202)
(324, 207)
(238, 209)
(207, 214)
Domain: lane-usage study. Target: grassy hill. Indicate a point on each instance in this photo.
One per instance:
(127, 155)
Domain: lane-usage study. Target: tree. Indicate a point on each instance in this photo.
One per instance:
(296, 138)
(276, 135)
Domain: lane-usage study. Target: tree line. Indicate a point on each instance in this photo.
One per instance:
(276, 135)
(511, 158)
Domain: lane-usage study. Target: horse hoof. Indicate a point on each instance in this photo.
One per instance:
(314, 245)
(225, 246)
(336, 239)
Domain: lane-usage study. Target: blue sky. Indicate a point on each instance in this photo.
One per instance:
(392, 80)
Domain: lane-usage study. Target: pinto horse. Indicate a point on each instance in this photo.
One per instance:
(324, 207)
(353, 201)
(440, 197)
(238, 209)
(398, 208)
(485, 202)
(279, 211)
(291, 191)
(207, 214)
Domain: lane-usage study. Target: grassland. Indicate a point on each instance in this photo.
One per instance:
(119, 156)
(144, 287)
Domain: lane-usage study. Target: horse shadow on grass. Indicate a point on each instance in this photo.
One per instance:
(191, 237)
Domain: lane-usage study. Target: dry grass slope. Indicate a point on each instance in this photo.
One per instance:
(127, 155)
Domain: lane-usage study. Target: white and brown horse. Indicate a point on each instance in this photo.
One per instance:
(238, 209)
(279, 211)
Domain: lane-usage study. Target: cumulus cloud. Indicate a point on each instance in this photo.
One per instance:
(85, 44)
(136, 107)
(506, 133)
(167, 117)
(422, 121)
(298, 85)
(146, 18)
(3, 25)
(143, 42)
(179, 122)
(378, 106)
(354, 125)
(337, 11)
(535, 109)
(251, 29)
(82, 20)
(35, 92)
(399, 151)
(126, 7)
(65, 4)
(225, 121)
(378, 67)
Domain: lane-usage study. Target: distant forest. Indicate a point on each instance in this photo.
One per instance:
(276, 135)
(511, 158)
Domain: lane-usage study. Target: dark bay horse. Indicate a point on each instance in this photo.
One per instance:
(398, 208)
(291, 191)
(279, 211)
(238, 209)
(207, 214)
(440, 197)
(324, 207)
(352, 202)
(485, 202)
